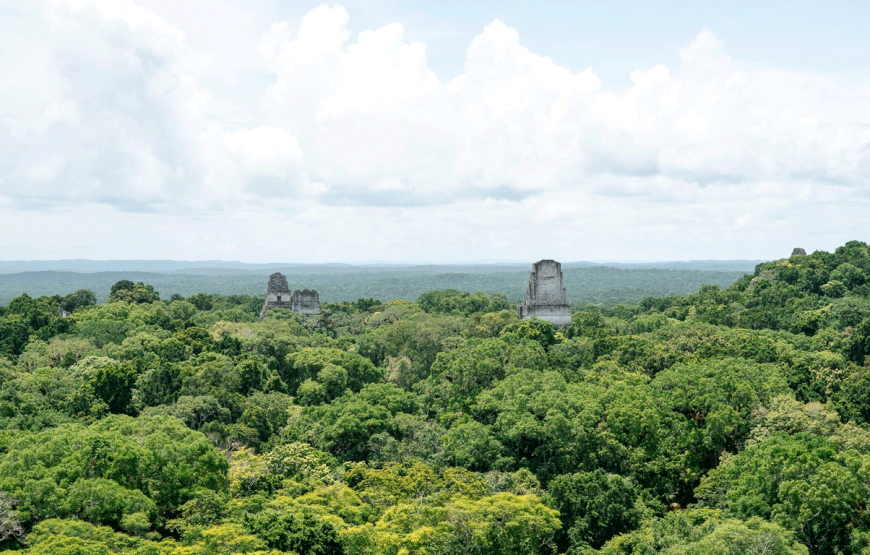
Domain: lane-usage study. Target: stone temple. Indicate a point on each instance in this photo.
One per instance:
(545, 297)
(304, 301)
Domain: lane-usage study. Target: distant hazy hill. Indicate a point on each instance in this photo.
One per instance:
(160, 266)
(224, 267)
(585, 282)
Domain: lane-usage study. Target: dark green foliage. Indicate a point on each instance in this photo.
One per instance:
(197, 339)
(157, 386)
(859, 342)
(594, 507)
(79, 299)
(252, 375)
(331, 368)
(299, 532)
(114, 386)
(802, 482)
(731, 421)
(26, 317)
(476, 365)
(127, 291)
(14, 334)
(715, 400)
(472, 445)
(36, 313)
(534, 329)
(344, 427)
(852, 399)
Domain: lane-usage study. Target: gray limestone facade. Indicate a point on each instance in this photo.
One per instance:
(798, 252)
(545, 297)
(304, 301)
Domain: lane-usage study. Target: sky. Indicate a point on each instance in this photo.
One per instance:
(432, 131)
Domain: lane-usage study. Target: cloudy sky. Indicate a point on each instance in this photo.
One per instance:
(293, 131)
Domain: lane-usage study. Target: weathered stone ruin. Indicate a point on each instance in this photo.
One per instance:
(545, 297)
(303, 301)
(798, 252)
(277, 294)
(306, 301)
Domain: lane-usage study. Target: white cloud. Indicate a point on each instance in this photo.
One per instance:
(109, 121)
(370, 111)
(354, 134)
(261, 162)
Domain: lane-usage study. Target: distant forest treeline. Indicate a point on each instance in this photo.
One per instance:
(585, 283)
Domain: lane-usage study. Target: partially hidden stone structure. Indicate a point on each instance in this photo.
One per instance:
(545, 297)
(277, 294)
(304, 301)
(798, 252)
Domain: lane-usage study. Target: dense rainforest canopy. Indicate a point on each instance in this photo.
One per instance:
(732, 421)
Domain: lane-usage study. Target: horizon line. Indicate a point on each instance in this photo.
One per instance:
(381, 262)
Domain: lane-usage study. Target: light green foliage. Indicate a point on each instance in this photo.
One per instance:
(55, 536)
(589, 323)
(115, 467)
(732, 421)
(105, 324)
(58, 351)
(503, 523)
(704, 532)
(228, 539)
(64, 537)
(294, 465)
(785, 414)
(491, 324)
(451, 301)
